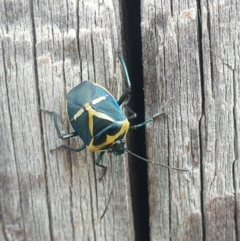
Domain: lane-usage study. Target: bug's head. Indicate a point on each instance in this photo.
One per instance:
(117, 147)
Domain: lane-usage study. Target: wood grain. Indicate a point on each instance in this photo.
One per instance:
(47, 48)
(190, 56)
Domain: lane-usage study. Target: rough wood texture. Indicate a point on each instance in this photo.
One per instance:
(191, 68)
(47, 48)
(220, 122)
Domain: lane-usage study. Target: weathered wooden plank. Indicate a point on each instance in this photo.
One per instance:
(46, 49)
(220, 123)
(49, 47)
(94, 40)
(172, 81)
(24, 207)
(203, 125)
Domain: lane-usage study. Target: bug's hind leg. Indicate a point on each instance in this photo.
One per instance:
(126, 95)
(63, 136)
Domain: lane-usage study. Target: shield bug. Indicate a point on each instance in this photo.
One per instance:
(97, 118)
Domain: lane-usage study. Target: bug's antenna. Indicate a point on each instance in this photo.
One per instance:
(159, 164)
(110, 195)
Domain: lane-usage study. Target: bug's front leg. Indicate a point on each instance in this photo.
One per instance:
(98, 161)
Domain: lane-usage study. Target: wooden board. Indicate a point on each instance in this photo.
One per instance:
(190, 69)
(190, 59)
(46, 49)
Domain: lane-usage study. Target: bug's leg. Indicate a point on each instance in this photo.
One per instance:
(80, 148)
(133, 114)
(110, 195)
(126, 94)
(98, 161)
(125, 70)
(128, 91)
(61, 136)
(146, 122)
(121, 100)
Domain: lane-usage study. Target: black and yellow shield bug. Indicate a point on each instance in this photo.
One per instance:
(97, 118)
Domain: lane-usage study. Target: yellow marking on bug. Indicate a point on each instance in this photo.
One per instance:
(111, 139)
(99, 99)
(77, 114)
(91, 113)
